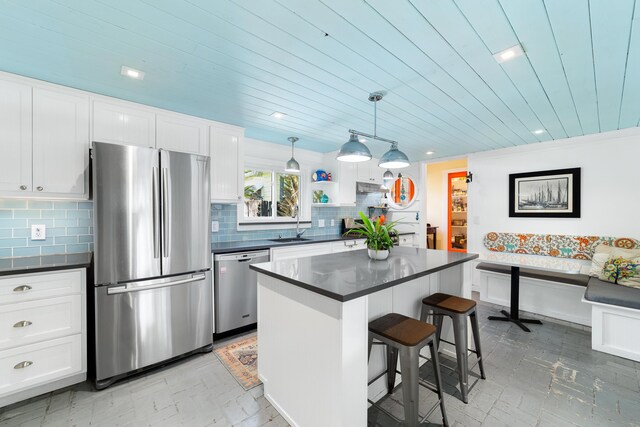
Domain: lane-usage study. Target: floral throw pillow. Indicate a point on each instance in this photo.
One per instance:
(622, 271)
(603, 253)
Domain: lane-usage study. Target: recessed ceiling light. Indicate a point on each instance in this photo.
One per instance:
(277, 115)
(508, 54)
(429, 153)
(538, 131)
(132, 72)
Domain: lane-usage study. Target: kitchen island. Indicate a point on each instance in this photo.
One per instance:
(313, 314)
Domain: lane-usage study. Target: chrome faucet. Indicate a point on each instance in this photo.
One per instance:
(296, 214)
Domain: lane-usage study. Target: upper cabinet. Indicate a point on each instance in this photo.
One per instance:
(15, 138)
(60, 142)
(45, 141)
(347, 183)
(121, 123)
(178, 133)
(369, 171)
(225, 146)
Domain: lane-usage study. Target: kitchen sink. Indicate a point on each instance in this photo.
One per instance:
(289, 239)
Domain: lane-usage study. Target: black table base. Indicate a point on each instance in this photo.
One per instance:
(514, 316)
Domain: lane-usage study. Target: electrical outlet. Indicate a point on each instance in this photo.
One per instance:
(38, 232)
(321, 223)
(333, 222)
(215, 226)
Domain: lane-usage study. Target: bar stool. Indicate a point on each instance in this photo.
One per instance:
(458, 309)
(407, 336)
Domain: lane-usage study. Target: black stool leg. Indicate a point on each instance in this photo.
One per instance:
(409, 364)
(436, 374)
(462, 354)
(392, 364)
(476, 340)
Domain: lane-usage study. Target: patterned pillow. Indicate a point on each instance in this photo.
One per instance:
(622, 271)
(602, 254)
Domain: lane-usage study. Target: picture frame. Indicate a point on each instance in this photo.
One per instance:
(545, 194)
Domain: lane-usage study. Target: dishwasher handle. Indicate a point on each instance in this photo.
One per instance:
(242, 256)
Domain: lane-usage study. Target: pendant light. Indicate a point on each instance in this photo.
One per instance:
(355, 151)
(292, 164)
(394, 158)
(388, 176)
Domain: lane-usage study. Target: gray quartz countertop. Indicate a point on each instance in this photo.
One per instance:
(34, 264)
(348, 275)
(251, 245)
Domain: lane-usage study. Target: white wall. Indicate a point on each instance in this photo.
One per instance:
(610, 186)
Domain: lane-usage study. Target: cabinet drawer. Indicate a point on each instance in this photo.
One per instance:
(406, 240)
(32, 321)
(26, 287)
(36, 364)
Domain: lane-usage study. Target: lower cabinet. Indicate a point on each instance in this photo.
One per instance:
(43, 344)
(298, 251)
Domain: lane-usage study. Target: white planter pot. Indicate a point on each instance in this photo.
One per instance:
(378, 255)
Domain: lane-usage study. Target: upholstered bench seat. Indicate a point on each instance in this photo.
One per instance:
(571, 279)
(609, 293)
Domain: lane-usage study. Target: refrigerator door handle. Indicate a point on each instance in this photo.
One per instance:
(156, 214)
(135, 287)
(166, 212)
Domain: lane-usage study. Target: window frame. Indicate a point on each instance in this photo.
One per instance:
(274, 221)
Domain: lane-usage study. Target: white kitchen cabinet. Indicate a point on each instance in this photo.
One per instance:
(121, 123)
(60, 143)
(178, 133)
(347, 183)
(43, 333)
(225, 146)
(299, 251)
(15, 138)
(369, 171)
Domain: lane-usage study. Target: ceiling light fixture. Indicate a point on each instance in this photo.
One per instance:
(387, 176)
(277, 115)
(355, 151)
(292, 164)
(538, 131)
(509, 54)
(132, 72)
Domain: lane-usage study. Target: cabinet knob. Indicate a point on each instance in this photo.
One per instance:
(23, 187)
(23, 324)
(39, 188)
(239, 197)
(22, 288)
(23, 365)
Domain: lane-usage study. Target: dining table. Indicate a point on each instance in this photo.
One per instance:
(536, 262)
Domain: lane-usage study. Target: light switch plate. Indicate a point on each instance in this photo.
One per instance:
(38, 232)
(321, 223)
(215, 226)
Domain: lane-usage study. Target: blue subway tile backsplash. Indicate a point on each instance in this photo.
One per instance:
(70, 228)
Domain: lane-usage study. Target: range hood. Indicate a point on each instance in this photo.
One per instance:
(368, 187)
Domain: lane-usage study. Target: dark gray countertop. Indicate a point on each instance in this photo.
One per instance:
(34, 264)
(348, 275)
(251, 245)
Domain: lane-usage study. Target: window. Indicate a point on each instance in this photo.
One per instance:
(262, 187)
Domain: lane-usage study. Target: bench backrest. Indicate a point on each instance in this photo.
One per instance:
(555, 245)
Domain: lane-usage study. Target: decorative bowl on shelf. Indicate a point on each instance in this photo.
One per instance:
(324, 199)
(320, 175)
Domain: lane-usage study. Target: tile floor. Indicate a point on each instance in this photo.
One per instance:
(549, 377)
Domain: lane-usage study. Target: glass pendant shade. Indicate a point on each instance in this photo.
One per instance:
(292, 164)
(353, 151)
(388, 175)
(394, 159)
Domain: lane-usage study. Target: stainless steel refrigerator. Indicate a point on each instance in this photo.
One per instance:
(152, 260)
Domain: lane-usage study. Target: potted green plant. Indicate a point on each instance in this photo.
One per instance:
(377, 235)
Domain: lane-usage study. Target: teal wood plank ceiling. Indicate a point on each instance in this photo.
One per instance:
(238, 61)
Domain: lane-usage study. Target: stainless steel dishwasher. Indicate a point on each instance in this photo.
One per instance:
(236, 289)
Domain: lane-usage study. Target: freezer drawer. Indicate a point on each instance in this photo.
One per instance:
(236, 289)
(143, 323)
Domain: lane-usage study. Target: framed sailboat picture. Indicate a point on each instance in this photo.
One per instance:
(545, 194)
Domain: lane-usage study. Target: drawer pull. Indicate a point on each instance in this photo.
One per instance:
(22, 324)
(22, 288)
(23, 365)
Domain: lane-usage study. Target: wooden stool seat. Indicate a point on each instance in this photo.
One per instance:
(450, 303)
(402, 329)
